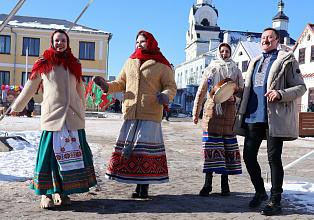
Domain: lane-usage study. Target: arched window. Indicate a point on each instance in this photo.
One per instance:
(308, 37)
(205, 22)
(191, 35)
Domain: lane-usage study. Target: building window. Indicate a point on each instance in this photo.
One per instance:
(5, 44)
(32, 44)
(24, 78)
(205, 22)
(302, 56)
(308, 37)
(245, 65)
(88, 78)
(198, 35)
(4, 78)
(311, 95)
(312, 53)
(87, 51)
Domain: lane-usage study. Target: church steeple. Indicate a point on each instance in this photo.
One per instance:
(204, 2)
(203, 29)
(280, 22)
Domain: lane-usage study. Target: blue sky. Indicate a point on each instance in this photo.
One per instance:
(167, 20)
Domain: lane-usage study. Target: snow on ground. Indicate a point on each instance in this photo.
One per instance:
(18, 165)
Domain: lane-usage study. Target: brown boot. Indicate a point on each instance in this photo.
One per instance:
(46, 202)
(62, 200)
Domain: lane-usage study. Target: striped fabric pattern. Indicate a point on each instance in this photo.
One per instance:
(147, 163)
(49, 179)
(221, 154)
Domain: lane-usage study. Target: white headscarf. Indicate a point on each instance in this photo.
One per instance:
(218, 70)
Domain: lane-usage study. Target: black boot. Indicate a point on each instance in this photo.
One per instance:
(207, 188)
(225, 191)
(144, 191)
(136, 193)
(258, 199)
(272, 208)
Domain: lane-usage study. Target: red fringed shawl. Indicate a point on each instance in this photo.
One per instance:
(152, 52)
(44, 63)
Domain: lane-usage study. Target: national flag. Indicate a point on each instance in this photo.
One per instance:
(97, 96)
(85, 89)
(107, 101)
(90, 101)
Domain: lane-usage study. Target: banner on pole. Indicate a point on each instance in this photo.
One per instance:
(96, 97)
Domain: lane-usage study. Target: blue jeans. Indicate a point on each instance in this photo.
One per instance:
(255, 133)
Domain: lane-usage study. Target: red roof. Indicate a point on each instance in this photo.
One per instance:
(307, 75)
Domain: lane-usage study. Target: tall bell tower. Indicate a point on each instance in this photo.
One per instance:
(203, 33)
(280, 22)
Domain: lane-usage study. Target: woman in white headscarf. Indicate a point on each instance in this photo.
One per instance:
(220, 146)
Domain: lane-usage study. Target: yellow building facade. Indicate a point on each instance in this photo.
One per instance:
(24, 39)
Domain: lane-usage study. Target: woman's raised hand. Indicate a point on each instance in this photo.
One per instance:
(101, 82)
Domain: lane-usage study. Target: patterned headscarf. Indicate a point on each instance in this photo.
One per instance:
(152, 52)
(44, 63)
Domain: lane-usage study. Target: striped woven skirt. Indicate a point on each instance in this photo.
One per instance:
(48, 178)
(147, 162)
(221, 154)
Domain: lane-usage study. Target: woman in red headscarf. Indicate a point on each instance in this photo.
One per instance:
(148, 82)
(64, 162)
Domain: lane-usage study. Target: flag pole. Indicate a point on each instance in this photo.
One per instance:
(12, 13)
(79, 16)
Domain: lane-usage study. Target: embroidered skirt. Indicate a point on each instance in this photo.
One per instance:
(147, 162)
(221, 154)
(48, 177)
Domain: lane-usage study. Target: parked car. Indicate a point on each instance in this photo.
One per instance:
(175, 109)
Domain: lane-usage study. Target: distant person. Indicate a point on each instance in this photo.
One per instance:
(30, 107)
(310, 108)
(220, 145)
(64, 163)
(148, 82)
(117, 106)
(166, 112)
(268, 110)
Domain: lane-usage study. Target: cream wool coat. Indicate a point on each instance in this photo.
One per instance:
(140, 84)
(63, 100)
